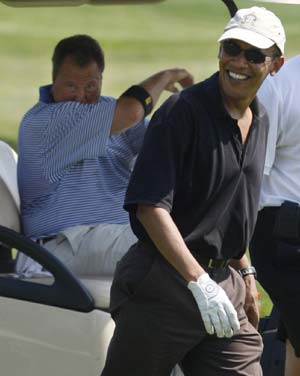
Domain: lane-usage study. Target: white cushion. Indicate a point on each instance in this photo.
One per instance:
(9, 214)
(8, 170)
(98, 287)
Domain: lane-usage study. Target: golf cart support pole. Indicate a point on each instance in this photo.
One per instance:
(231, 6)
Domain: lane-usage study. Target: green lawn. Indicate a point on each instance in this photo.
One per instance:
(265, 303)
(138, 40)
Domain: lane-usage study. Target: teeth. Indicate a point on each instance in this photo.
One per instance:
(237, 76)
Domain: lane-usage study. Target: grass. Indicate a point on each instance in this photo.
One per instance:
(265, 304)
(138, 40)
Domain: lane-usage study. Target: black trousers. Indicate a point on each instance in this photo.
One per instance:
(277, 260)
(159, 324)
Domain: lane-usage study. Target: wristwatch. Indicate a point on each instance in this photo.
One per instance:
(247, 271)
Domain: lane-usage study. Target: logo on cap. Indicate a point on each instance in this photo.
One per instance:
(249, 19)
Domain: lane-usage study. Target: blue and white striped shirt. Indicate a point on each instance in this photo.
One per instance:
(70, 171)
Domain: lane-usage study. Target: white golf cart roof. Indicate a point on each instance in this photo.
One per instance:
(40, 3)
(51, 3)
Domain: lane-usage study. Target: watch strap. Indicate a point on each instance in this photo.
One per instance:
(248, 271)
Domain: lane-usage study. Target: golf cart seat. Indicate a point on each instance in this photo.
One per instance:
(98, 287)
(9, 203)
(53, 323)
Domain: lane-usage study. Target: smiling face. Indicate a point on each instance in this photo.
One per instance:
(75, 83)
(240, 76)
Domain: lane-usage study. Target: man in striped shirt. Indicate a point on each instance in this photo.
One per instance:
(76, 151)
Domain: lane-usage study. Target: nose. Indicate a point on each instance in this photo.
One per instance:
(80, 96)
(241, 59)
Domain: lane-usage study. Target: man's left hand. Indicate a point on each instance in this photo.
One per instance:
(251, 303)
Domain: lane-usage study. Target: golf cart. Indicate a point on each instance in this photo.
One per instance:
(53, 323)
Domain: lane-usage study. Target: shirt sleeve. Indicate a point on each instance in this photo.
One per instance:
(134, 136)
(157, 169)
(269, 96)
(75, 132)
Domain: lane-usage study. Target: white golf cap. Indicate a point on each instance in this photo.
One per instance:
(256, 26)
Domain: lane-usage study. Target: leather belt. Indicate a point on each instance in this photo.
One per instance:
(204, 261)
(211, 263)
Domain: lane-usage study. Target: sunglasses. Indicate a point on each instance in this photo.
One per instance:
(252, 55)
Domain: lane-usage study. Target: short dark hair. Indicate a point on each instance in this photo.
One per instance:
(82, 48)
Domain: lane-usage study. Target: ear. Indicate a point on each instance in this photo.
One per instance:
(276, 65)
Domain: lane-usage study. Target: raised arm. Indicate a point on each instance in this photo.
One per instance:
(130, 107)
(168, 240)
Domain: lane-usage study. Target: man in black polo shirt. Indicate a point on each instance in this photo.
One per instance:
(193, 199)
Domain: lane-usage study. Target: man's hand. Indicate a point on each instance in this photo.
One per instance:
(251, 302)
(129, 110)
(218, 314)
(180, 76)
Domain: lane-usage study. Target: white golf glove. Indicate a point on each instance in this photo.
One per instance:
(218, 314)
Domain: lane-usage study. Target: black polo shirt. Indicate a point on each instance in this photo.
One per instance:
(194, 165)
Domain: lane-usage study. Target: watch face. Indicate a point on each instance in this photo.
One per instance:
(248, 271)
